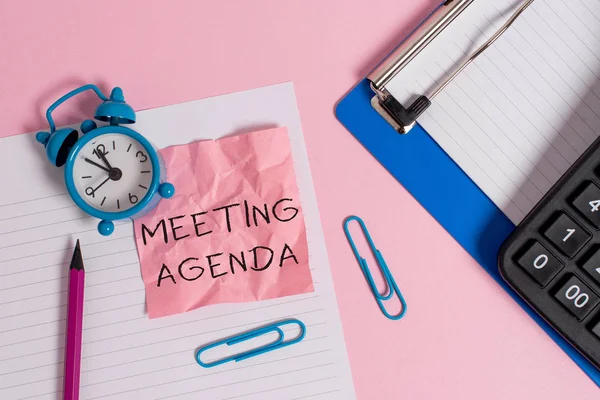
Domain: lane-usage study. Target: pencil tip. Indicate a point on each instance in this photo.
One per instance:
(77, 260)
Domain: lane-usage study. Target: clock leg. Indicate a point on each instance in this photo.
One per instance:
(166, 190)
(105, 227)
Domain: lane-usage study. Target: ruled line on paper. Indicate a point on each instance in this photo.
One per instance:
(310, 339)
(35, 199)
(238, 368)
(63, 263)
(467, 156)
(507, 119)
(315, 395)
(539, 185)
(281, 387)
(112, 239)
(523, 112)
(158, 328)
(230, 383)
(159, 368)
(186, 364)
(57, 237)
(64, 276)
(492, 143)
(44, 225)
(38, 212)
(174, 353)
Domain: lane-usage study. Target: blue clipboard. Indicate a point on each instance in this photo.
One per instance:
(417, 161)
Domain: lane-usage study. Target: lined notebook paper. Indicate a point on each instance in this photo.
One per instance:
(522, 113)
(126, 355)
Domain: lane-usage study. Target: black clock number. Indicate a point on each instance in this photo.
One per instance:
(90, 191)
(141, 154)
(100, 151)
(133, 198)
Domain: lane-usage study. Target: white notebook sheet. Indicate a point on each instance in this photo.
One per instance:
(522, 113)
(126, 355)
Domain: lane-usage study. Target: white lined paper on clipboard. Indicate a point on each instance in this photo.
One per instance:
(526, 109)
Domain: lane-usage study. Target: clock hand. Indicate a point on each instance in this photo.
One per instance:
(103, 157)
(98, 187)
(97, 165)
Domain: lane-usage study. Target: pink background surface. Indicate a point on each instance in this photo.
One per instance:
(462, 337)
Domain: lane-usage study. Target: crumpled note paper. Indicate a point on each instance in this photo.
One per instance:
(234, 231)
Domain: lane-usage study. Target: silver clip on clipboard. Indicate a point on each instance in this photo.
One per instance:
(404, 119)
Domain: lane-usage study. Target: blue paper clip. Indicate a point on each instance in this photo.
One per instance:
(278, 344)
(390, 282)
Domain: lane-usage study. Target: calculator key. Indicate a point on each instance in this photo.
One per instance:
(567, 235)
(592, 265)
(577, 297)
(540, 264)
(588, 203)
(596, 329)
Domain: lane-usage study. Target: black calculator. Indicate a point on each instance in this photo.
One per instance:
(552, 259)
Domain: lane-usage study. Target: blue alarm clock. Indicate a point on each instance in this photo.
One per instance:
(111, 172)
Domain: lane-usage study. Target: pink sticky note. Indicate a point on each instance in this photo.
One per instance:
(233, 232)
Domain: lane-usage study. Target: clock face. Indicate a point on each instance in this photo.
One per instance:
(112, 172)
